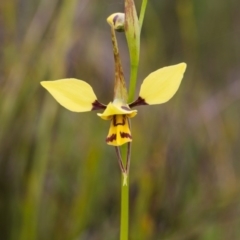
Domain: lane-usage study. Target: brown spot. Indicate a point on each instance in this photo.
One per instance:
(115, 121)
(140, 101)
(111, 138)
(125, 135)
(97, 105)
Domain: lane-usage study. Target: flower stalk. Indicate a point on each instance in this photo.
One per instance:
(124, 220)
(132, 30)
(157, 88)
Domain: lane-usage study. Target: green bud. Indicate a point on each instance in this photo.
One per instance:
(117, 21)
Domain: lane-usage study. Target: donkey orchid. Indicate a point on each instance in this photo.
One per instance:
(78, 96)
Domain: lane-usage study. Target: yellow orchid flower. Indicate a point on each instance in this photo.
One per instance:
(78, 96)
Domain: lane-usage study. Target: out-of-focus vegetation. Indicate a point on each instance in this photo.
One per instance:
(58, 178)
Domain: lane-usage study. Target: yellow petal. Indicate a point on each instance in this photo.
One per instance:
(161, 85)
(116, 108)
(119, 132)
(75, 95)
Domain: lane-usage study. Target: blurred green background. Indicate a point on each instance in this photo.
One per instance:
(59, 179)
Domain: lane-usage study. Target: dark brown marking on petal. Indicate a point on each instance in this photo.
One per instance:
(125, 135)
(126, 108)
(97, 105)
(111, 138)
(140, 101)
(115, 121)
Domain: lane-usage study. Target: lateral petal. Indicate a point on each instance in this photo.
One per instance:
(159, 86)
(73, 94)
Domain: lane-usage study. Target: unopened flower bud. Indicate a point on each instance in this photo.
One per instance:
(117, 20)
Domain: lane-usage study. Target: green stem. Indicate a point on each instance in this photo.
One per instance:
(134, 61)
(133, 81)
(142, 13)
(125, 193)
(124, 208)
(127, 154)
